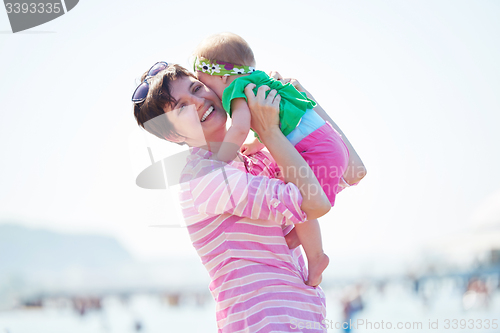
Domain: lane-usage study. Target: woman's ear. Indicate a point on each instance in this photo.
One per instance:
(224, 79)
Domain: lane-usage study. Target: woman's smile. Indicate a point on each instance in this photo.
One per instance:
(207, 113)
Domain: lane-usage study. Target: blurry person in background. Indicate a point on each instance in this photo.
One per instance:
(476, 296)
(352, 303)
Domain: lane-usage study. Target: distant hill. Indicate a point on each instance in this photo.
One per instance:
(37, 262)
(25, 250)
(43, 261)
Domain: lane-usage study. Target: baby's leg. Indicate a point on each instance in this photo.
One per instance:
(309, 235)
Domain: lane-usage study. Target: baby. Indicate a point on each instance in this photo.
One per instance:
(225, 63)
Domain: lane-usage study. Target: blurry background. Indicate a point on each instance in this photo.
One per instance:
(413, 84)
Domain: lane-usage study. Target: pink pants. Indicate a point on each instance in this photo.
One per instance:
(327, 155)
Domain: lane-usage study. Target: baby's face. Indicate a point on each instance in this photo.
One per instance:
(214, 82)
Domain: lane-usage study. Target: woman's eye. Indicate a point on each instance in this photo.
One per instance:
(197, 88)
(182, 107)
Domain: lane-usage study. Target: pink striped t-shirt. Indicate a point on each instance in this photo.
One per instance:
(235, 220)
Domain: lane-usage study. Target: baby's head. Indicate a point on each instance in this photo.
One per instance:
(220, 57)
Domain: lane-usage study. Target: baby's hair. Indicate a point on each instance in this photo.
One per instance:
(226, 47)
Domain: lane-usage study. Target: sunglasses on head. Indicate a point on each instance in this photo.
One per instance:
(141, 92)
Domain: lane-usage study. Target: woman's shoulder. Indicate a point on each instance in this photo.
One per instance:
(198, 164)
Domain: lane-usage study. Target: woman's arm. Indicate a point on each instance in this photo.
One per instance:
(215, 188)
(265, 121)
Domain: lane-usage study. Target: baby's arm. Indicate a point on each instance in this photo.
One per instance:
(252, 148)
(237, 133)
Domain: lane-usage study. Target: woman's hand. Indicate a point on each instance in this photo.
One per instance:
(275, 75)
(264, 110)
(292, 239)
(294, 82)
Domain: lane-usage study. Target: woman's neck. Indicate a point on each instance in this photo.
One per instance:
(212, 146)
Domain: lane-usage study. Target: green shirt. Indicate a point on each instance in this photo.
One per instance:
(293, 103)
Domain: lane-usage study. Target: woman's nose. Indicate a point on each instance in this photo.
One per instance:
(198, 101)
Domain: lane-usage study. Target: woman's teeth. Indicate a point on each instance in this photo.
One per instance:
(209, 111)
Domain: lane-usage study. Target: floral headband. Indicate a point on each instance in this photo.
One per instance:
(220, 68)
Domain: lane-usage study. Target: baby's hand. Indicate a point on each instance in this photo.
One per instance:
(251, 148)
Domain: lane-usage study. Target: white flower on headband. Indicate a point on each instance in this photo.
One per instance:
(204, 67)
(238, 71)
(215, 68)
(251, 70)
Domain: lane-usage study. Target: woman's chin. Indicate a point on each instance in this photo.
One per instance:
(215, 126)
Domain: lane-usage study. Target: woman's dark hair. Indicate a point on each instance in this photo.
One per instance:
(159, 96)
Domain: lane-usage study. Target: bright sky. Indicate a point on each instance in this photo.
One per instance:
(413, 84)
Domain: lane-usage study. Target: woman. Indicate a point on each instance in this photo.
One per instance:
(234, 217)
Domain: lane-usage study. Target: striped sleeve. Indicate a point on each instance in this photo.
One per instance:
(228, 190)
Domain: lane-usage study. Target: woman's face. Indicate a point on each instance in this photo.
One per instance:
(198, 114)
